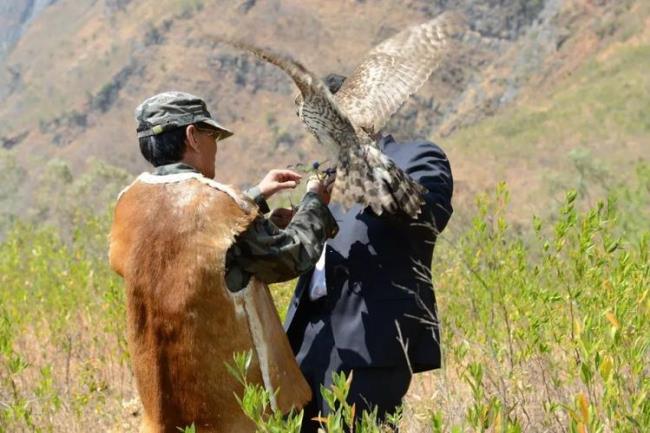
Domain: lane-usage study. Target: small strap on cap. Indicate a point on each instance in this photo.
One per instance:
(151, 131)
(178, 122)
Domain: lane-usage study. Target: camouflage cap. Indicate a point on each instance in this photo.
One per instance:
(170, 110)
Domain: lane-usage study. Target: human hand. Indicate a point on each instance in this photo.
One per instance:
(281, 217)
(322, 186)
(278, 180)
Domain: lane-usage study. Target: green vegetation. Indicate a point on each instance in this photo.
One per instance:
(62, 330)
(256, 404)
(543, 331)
(545, 324)
(603, 103)
(545, 327)
(551, 332)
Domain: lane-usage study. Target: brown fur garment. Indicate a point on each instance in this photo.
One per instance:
(169, 242)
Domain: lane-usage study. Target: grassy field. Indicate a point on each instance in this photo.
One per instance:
(545, 327)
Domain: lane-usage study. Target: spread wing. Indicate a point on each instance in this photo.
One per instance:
(364, 174)
(318, 108)
(396, 69)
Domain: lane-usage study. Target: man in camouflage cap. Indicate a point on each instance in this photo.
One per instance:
(170, 110)
(177, 134)
(179, 238)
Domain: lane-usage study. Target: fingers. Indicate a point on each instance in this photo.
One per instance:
(314, 184)
(314, 180)
(282, 179)
(285, 175)
(290, 184)
(278, 180)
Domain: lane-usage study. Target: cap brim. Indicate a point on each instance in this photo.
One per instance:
(225, 132)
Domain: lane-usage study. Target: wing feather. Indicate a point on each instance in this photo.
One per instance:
(319, 110)
(395, 69)
(364, 174)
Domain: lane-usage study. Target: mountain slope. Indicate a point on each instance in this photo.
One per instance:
(15, 17)
(74, 77)
(584, 129)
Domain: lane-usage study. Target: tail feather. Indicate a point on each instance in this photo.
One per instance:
(365, 175)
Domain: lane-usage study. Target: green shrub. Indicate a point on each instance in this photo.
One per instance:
(545, 327)
(256, 404)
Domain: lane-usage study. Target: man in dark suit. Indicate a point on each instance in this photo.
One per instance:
(369, 307)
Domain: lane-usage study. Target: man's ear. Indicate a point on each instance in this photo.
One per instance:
(190, 137)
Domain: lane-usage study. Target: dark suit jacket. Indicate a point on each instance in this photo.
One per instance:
(378, 272)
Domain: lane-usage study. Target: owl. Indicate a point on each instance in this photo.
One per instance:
(348, 123)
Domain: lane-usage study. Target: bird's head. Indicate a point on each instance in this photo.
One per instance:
(333, 82)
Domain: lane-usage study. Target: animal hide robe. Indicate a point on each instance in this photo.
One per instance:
(169, 241)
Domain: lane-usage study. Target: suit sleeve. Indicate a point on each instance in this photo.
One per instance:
(430, 167)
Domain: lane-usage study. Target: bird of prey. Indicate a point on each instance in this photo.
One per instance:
(348, 122)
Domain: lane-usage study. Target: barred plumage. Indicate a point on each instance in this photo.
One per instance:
(347, 122)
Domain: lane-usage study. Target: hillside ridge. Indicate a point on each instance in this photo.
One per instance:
(72, 80)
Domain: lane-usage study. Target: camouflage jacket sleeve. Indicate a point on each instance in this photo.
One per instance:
(274, 255)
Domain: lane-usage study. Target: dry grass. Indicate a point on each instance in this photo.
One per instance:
(544, 329)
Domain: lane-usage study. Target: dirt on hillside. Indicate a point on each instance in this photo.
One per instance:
(73, 78)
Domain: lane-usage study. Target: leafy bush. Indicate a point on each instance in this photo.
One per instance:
(545, 328)
(551, 333)
(256, 404)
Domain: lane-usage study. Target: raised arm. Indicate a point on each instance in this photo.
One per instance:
(274, 255)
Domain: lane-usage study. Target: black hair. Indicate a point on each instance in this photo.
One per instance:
(165, 148)
(334, 82)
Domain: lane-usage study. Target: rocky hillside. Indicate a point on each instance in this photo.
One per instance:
(73, 74)
(15, 17)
